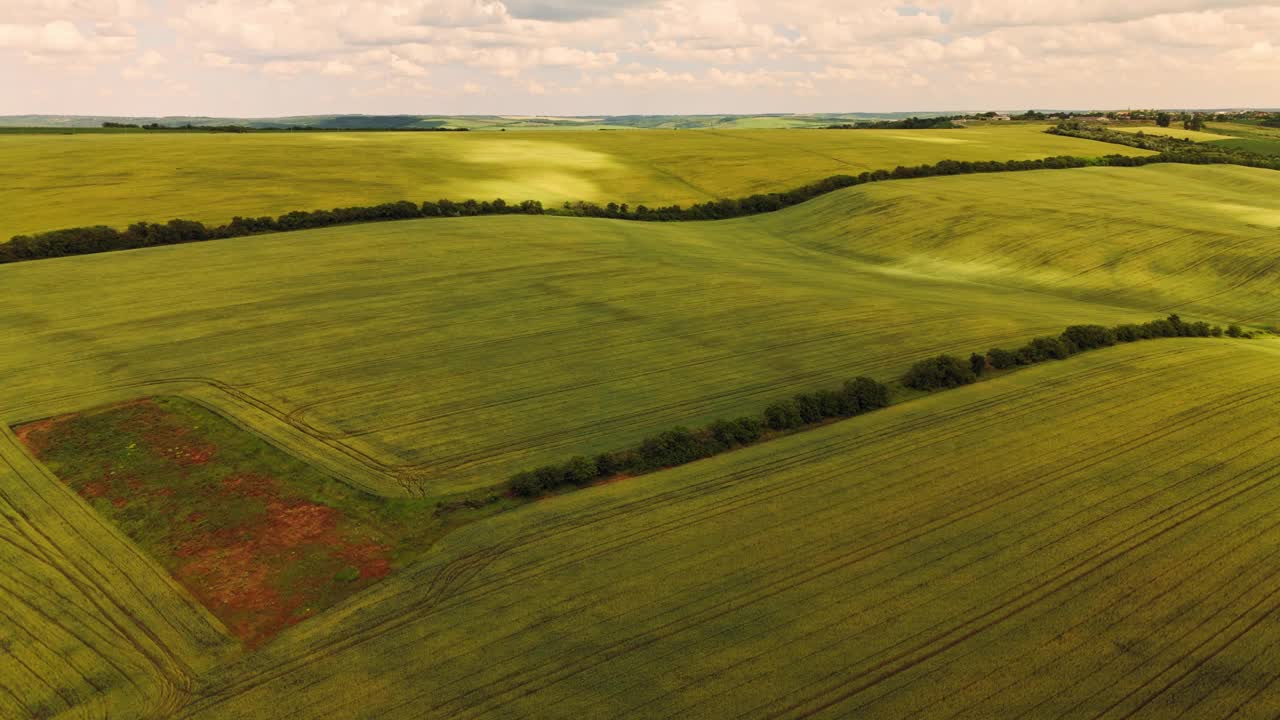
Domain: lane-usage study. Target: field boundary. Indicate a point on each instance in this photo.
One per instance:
(95, 239)
(806, 411)
(100, 238)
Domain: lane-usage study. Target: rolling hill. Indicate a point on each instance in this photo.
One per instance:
(1093, 537)
(952, 556)
(467, 349)
(55, 181)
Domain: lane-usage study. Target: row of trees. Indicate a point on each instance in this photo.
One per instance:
(1190, 121)
(682, 445)
(188, 127)
(772, 202)
(1170, 149)
(948, 371)
(100, 238)
(95, 239)
(911, 123)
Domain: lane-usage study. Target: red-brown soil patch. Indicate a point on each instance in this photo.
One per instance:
(35, 435)
(252, 544)
(370, 559)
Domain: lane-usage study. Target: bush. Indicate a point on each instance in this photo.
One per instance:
(671, 448)
(525, 484)
(1001, 359)
(864, 395)
(580, 471)
(607, 464)
(1233, 331)
(782, 415)
(868, 393)
(830, 403)
(1088, 337)
(938, 373)
(1130, 333)
(748, 430)
(1043, 348)
(978, 364)
(809, 408)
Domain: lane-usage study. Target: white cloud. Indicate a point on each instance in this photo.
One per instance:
(663, 55)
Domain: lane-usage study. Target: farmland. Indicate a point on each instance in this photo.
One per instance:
(1088, 538)
(1238, 136)
(261, 539)
(1092, 537)
(46, 184)
(463, 350)
(1172, 131)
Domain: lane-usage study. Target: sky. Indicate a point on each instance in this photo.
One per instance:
(267, 58)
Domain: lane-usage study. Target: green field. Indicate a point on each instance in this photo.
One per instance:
(57, 181)
(1083, 538)
(466, 349)
(1091, 537)
(1195, 239)
(1174, 130)
(1237, 136)
(1249, 137)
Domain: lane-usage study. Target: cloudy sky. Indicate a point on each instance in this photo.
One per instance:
(251, 58)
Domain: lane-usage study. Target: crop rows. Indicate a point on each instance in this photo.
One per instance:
(90, 623)
(495, 344)
(46, 183)
(924, 561)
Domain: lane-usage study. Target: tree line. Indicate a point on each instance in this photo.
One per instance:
(100, 238)
(681, 445)
(948, 371)
(1170, 149)
(188, 127)
(911, 123)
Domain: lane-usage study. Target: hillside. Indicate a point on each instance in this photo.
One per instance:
(1086, 538)
(466, 349)
(55, 181)
(1199, 240)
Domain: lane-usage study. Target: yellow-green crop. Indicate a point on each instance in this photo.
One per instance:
(57, 181)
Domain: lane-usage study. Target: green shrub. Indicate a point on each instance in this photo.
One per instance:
(1001, 359)
(862, 394)
(938, 373)
(580, 471)
(782, 415)
(1088, 337)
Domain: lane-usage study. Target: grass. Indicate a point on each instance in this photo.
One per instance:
(464, 350)
(56, 181)
(1091, 537)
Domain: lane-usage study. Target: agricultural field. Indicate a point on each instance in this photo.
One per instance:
(460, 351)
(46, 182)
(263, 540)
(1249, 138)
(1091, 538)
(1238, 136)
(1174, 130)
(229, 470)
(1199, 240)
